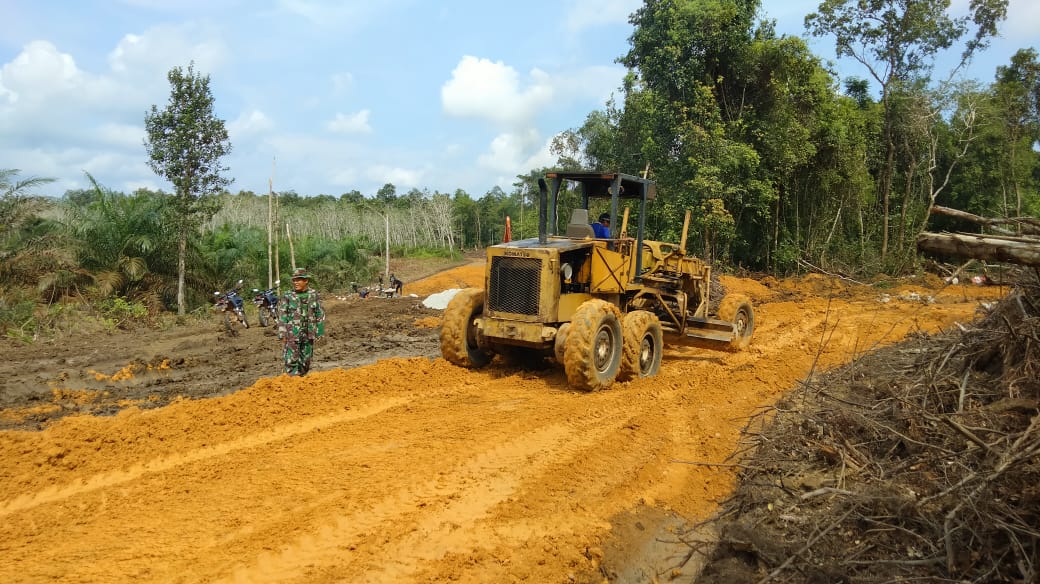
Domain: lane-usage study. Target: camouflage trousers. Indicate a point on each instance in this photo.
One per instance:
(297, 355)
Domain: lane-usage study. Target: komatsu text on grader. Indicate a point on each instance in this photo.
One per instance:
(601, 307)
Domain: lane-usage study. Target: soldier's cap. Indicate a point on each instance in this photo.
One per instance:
(300, 274)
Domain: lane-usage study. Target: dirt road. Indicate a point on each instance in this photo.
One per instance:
(407, 469)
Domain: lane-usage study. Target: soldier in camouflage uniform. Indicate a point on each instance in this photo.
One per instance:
(302, 322)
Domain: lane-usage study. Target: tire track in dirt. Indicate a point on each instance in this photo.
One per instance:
(455, 475)
(417, 548)
(159, 465)
(446, 515)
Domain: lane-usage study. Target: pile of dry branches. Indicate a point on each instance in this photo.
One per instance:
(918, 461)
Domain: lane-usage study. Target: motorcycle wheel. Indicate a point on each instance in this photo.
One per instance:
(262, 314)
(227, 322)
(242, 318)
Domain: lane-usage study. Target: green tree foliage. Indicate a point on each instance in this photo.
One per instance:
(897, 42)
(739, 124)
(185, 143)
(1017, 96)
(721, 110)
(1000, 176)
(387, 194)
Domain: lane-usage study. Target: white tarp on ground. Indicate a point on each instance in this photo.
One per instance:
(440, 300)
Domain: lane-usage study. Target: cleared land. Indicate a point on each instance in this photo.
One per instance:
(387, 463)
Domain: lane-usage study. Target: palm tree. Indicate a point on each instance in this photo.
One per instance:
(29, 247)
(124, 246)
(16, 203)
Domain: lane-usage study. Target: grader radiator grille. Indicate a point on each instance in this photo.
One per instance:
(515, 285)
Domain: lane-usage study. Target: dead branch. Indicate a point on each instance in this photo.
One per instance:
(1026, 225)
(826, 273)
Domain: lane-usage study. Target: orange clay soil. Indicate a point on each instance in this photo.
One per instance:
(413, 470)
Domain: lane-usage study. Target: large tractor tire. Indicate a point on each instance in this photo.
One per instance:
(641, 350)
(592, 355)
(560, 344)
(736, 308)
(460, 340)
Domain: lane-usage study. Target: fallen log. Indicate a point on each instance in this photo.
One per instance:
(1025, 225)
(1016, 250)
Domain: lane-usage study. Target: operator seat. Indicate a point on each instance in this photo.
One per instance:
(579, 225)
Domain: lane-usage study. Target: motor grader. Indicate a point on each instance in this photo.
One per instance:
(600, 307)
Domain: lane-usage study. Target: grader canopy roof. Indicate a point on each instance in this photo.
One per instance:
(597, 184)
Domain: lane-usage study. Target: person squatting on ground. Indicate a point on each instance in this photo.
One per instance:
(302, 322)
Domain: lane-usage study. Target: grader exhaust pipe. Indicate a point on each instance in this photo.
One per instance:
(543, 202)
(685, 231)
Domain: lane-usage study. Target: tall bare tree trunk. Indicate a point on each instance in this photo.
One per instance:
(182, 251)
(907, 195)
(886, 191)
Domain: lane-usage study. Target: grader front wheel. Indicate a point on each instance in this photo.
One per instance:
(460, 339)
(736, 308)
(592, 354)
(641, 351)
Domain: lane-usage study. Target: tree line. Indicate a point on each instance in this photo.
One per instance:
(783, 163)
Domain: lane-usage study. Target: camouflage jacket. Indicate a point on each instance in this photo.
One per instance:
(301, 315)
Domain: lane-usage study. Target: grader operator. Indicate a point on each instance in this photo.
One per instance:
(599, 306)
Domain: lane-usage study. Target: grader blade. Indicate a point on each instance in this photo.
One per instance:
(710, 329)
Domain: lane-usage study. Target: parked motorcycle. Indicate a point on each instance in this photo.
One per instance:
(231, 303)
(266, 302)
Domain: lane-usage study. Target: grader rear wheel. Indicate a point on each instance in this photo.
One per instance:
(460, 340)
(592, 355)
(641, 350)
(736, 308)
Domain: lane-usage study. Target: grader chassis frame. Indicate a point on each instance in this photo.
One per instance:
(600, 307)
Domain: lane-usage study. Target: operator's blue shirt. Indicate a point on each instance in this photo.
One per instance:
(601, 230)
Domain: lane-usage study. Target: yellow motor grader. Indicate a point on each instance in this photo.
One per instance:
(599, 306)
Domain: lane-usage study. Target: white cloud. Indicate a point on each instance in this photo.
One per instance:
(482, 89)
(342, 82)
(516, 152)
(38, 72)
(594, 84)
(400, 177)
(51, 100)
(585, 14)
(346, 177)
(125, 136)
(58, 119)
(350, 124)
(249, 123)
(162, 47)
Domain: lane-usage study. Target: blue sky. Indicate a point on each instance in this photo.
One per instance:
(332, 96)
